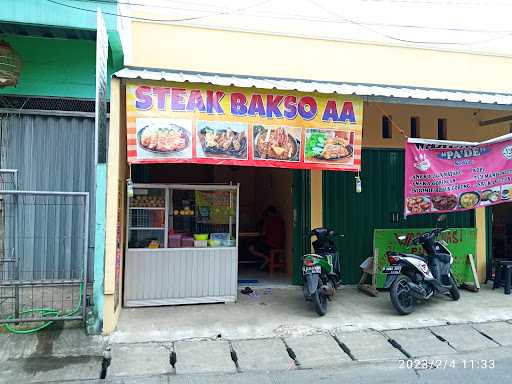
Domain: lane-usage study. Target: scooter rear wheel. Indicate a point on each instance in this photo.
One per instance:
(319, 302)
(454, 291)
(401, 296)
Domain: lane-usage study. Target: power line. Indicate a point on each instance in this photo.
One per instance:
(223, 13)
(298, 17)
(342, 19)
(401, 39)
(137, 4)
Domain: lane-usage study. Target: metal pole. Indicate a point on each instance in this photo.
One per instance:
(16, 260)
(86, 255)
(15, 172)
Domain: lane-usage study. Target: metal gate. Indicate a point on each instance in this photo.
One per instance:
(43, 255)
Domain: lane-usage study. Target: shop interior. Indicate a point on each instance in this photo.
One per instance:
(502, 232)
(259, 188)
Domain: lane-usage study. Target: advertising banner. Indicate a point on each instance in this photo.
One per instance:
(461, 242)
(444, 176)
(208, 124)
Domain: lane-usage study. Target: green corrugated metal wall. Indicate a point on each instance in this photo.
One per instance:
(378, 206)
(301, 221)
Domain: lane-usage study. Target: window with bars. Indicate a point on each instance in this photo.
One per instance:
(442, 131)
(386, 127)
(415, 127)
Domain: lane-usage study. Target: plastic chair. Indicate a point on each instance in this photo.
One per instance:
(503, 275)
(276, 260)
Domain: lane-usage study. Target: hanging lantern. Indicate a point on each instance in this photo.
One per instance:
(10, 65)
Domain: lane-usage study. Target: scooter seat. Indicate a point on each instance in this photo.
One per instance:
(422, 258)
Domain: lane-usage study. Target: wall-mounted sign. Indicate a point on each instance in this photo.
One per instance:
(461, 242)
(207, 124)
(447, 176)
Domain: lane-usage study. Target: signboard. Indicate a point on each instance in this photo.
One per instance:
(461, 242)
(208, 124)
(444, 176)
(100, 149)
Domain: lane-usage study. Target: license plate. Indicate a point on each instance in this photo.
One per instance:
(394, 270)
(314, 269)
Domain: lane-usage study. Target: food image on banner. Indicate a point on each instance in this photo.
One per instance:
(444, 202)
(328, 145)
(222, 140)
(276, 143)
(161, 138)
(448, 176)
(418, 204)
(506, 191)
(490, 196)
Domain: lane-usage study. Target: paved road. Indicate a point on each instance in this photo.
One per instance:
(465, 352)
(376, 373)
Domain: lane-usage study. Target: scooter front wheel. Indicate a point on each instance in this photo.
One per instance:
(401, 297)
(319, 302)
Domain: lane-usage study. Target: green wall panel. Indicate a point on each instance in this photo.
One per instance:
(377, 207)
(42, 12)
(301, 221)
(55, 67)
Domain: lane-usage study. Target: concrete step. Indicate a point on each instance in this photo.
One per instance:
(369, 346)
(262, 355)
(317, 351)
(203, 356)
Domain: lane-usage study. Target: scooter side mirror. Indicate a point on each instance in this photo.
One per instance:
(441, 221)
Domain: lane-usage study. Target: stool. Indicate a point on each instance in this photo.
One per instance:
(503, 275)
(276, 260)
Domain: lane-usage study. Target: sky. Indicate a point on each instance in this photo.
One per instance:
(480, 26)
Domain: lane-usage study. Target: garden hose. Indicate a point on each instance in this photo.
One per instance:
(45, 312)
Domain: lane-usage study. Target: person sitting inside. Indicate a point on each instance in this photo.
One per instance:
(272, 236)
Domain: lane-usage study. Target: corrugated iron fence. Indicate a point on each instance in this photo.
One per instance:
(51, 153)
(43, 268)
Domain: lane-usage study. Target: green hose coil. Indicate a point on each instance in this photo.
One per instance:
(45, 312)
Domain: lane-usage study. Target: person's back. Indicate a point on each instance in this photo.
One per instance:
(273, 228)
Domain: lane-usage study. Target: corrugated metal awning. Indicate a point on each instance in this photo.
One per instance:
(374, 92)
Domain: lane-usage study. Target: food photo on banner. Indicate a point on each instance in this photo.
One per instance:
(209, 124)
(448, 176)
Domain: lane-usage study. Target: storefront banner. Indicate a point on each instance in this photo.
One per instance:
(461, 242)
(448, 176)
(208, 124)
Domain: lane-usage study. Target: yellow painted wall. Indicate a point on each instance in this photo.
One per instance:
(462, 123)
(481, 244)
(209, 50)
(116, 176)
(316, 199)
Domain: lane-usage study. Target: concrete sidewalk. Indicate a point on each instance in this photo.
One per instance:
(285, 313)
(266, 333)
(59, 360)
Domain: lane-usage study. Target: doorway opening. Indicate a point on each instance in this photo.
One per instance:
(259, 190)
(502, 232)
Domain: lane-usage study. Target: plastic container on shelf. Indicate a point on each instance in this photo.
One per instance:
(214, 243)
(175, 241)
(187, 242)
(228, 243)
(200, 243)
(220, 236)
(201, 236)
